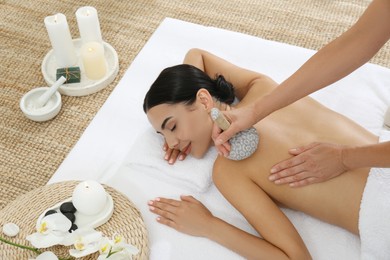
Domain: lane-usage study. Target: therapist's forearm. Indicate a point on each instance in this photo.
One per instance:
(334, 61)
(377, 155)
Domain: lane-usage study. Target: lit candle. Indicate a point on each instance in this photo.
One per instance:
(89, 197)
(61, 40)
(89, 26)
(92, 55)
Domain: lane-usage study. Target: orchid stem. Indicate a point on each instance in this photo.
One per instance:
(36, 250)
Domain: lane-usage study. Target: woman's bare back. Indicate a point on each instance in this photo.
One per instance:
(336, 201)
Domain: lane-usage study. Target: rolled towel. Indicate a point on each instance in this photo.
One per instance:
(147, 154)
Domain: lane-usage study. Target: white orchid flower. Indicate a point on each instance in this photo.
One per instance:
(105, 246)
(51, 230)
(86, 241)
(48, 255)
(116, 249)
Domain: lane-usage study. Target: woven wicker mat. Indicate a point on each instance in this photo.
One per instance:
(30, 152)
(24, 211)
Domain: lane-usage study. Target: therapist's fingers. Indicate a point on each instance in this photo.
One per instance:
(304, 148)
(220, 137)
(304, 182)
(224, 148)
(226, 135)
(240, 119)
(317, 161)
(286, 168)
(298, 179)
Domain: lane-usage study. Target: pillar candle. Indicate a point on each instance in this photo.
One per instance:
(92, 55)
(89, 197)
(89, 26)
(61, 40)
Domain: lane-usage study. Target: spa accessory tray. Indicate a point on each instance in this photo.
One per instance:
(85, 86)
(24, 211)
(84, 220)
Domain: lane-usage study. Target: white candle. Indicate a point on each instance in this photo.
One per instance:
(89, 197)
(92, 55)
(89, 26)
(61, 40)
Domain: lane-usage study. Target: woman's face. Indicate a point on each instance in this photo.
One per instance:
(185, 127)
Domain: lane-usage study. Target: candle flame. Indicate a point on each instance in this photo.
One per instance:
(55, 18)
(87, 12)
(90, 49)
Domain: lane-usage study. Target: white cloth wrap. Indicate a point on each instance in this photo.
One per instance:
(374, 225)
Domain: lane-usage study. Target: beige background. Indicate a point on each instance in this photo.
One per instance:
(31, 152)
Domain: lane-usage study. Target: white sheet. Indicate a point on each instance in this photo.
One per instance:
(364, 96)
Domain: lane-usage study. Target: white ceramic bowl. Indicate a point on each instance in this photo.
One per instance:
(47, 112)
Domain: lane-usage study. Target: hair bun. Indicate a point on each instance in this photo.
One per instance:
(225, 90)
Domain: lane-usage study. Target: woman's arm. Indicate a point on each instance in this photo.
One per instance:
(280, 240)
(242, 79)
(190, 216)
(237, 182)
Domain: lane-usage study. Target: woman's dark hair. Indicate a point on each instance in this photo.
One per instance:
(180, 83)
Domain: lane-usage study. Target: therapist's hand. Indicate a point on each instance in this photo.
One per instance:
(172, 155)
(316, 162)
(240, 119)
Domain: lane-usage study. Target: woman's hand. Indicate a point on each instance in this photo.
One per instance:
(187, 215)
(316, 162)
(171, 155)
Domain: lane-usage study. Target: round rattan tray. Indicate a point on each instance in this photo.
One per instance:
(25, 210)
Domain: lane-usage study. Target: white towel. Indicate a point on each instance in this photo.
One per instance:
(147, 154)
(167, 243)
(374, 226)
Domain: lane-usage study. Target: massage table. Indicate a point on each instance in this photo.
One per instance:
(120, 149)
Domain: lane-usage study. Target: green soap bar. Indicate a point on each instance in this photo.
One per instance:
(71, 74)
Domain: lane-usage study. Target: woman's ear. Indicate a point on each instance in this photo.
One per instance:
(205, 99)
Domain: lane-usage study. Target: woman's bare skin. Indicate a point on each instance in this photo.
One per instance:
(245, 183)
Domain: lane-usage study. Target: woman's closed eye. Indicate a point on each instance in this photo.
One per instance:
(173, 128)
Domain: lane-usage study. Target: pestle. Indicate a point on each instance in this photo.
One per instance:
(243, 144)
(44, 98)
